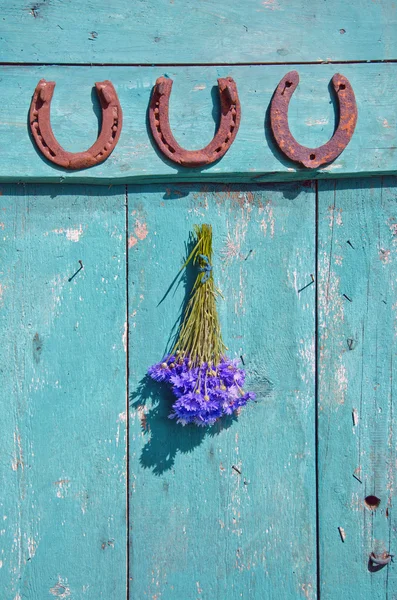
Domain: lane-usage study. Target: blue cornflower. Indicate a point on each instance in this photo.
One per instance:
(203, 394)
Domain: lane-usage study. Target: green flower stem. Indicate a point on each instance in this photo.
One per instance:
(199, 336)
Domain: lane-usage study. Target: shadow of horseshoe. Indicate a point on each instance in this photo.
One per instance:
(312, 158)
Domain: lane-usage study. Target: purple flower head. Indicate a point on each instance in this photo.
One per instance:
(160, 371)
(203, 394)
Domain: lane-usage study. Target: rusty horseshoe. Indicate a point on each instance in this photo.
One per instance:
(224, 137)
(312, 157)
(40, 126)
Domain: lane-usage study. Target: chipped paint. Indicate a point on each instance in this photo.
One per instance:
(62, 487)
(385, 256)
(271, 4)
(122, 419)
(308, 591)
(125, 336)
(142, 418)
(312, 122)
(342, 383)
(72, 234)
(61, 589)
(17, 460)
(32, 547)
(140, 229)
(132, 241)
(139, 234)
(268, 221)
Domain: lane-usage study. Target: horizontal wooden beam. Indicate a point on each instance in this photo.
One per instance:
(192, 31)
(194, 113)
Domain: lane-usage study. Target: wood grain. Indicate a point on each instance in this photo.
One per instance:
(228, 512)
(63, 393)
(191, 31)
(193, 115)
(357, 388)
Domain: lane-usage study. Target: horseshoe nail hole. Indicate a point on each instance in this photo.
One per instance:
(288, 83)
(312, 156)
(372, 502)
(342, 86)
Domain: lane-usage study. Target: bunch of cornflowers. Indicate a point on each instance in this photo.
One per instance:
(207, 385)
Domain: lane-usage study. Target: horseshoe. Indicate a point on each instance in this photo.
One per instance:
(312, 157)
(224, 137)
(40, 126)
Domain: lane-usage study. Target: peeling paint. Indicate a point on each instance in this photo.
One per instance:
(311, 122)
(32, 547)
(61, 589)
(71, 234)
(341, 379)
(385, 256)
(17, 460)
(308, 591)
(268, 221)
(63, 486)
(271, 4)
(132, 241)
(140, 230)
(125, 336)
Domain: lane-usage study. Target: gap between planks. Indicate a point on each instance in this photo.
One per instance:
(187, 64)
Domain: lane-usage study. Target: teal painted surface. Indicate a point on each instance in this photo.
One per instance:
(193, 109)
(63, 393)
(199, 528)
(357, 388)
(175, 31)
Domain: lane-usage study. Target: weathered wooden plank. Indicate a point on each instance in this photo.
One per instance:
(62, 399)
(199, 527)
(253, 156)
(209, 31)
(357, 389)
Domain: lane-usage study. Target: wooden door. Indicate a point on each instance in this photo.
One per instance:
(102, 496)
(297, 493)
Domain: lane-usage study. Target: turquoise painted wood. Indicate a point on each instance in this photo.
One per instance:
(208, 31)
(63, 393)
(194, 111)
(356, 406)
(229, 512)
(101, 495)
